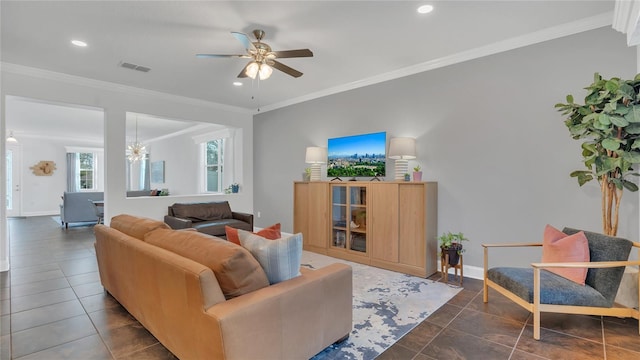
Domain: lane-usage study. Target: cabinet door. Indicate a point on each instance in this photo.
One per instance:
(412, 236)
(310, 214)
(384, 222)
(301, 209)
(339, 230)
(318, 214)
(357, 226)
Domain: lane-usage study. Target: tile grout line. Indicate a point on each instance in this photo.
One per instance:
(444, 327)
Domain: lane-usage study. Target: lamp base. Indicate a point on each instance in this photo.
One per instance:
(402, 167)
(315, 172)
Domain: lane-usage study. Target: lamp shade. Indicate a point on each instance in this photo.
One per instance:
(402, 148)
(316, 155)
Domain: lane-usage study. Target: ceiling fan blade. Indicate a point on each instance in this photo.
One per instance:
(285, 69)
(221, 56)
(244, 39)
(243, 73)
(293, 53)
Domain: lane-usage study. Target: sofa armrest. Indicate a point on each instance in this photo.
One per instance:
(310, 311)
(248, 218)
(177, 223)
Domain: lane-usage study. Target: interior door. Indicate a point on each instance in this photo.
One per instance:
(13, 180)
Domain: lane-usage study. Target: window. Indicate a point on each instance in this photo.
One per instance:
(86, 173)
(214, 156)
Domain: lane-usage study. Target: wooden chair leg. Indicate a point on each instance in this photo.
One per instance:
(485, 287)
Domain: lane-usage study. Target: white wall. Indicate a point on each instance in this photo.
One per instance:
(116, 100)
(486, 131)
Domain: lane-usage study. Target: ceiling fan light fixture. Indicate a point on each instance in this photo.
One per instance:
(265, 71)
(252, 70)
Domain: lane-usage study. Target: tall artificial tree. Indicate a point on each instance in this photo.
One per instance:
(609, 124)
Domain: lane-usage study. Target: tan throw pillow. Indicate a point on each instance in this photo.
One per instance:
(135, 226)
(560, 247)
(237, 271)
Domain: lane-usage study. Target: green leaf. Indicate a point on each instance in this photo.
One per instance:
(611, 85)
(590, 117)
(630, 186)
(626, 91)
(583, 176)
(618, 121)
(604, 119)
(632, 157)
(570, 99)
(605, 164)
(611, 144)
(610, 107)
(600, 126)
(622, 110)
(633, 116)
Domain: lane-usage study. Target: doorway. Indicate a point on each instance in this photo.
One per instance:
(14, 199)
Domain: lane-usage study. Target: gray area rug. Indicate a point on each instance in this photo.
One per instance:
(386, 306)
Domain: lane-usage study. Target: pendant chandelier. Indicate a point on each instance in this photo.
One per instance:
(136, 150)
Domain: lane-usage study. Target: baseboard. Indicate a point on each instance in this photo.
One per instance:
(41, 213)
(474, 272)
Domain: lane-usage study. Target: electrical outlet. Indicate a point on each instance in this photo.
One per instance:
(258, 214)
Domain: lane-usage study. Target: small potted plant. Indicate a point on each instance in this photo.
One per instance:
(451, 244)
(407, 177)
(417, 173)
(306, 175)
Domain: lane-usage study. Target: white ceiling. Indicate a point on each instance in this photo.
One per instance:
(354, 42)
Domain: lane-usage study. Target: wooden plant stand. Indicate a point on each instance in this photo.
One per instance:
(444, 268)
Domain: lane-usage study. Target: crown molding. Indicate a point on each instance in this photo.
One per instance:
(109, 86)
(626, 18)
(554, 32)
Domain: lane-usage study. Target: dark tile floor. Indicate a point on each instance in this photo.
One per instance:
(53, 307)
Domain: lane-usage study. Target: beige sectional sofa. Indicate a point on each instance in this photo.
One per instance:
(219, 306)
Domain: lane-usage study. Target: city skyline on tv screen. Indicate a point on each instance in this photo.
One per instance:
(357, 156)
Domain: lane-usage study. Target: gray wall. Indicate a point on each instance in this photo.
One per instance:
(486, 131)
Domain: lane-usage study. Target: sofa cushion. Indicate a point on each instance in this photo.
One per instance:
(235, 269)
(135, 226)
(554, 289)
(560, 247)
(279, 258)
(271, 232)
(203, 211)
(216, 227)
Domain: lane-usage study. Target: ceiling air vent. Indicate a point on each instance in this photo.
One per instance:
(134, 67)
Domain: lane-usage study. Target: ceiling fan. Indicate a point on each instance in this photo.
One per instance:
(263, 57)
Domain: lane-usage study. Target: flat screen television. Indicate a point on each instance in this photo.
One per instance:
(357, 156)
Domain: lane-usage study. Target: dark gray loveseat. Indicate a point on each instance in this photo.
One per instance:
(208, 217)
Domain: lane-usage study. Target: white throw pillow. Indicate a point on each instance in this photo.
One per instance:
(279, 258)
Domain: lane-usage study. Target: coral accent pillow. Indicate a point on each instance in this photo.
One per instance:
(280, 259)
(272, 232)
(560, 247)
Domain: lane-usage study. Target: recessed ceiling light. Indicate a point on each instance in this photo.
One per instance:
(425, 9)
(237, 83)
(79, 43)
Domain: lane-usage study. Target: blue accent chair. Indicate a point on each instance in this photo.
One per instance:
(538, 290)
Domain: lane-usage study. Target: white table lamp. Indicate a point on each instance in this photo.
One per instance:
(316, 156)
(402, 149)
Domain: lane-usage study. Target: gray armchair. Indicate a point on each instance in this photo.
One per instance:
(538, 290)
